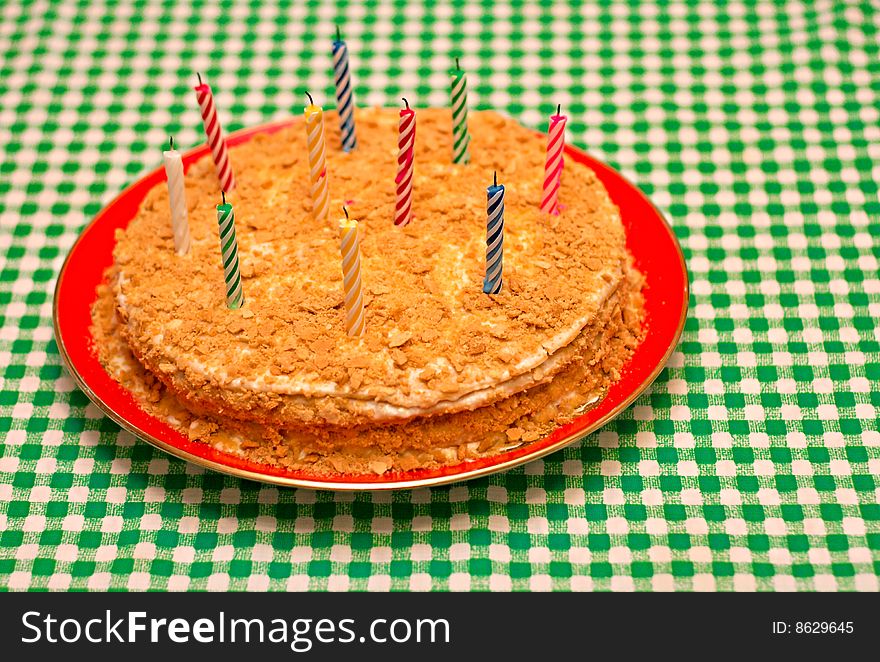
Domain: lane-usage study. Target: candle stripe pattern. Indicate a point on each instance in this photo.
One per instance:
(317, 163)
(494, 240)
(460, 137)
(216, 139)
(349, 244)
(177, 201)
(344, 96)
(553, 167)
(229, 252)
(404, 180)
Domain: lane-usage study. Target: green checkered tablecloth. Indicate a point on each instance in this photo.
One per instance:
(752, 463)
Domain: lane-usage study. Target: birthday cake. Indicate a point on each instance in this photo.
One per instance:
(443, 372)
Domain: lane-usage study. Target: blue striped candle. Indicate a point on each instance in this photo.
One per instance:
(344, 98)
(494, 237)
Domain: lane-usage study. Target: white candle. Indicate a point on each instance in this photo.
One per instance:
(177, 198)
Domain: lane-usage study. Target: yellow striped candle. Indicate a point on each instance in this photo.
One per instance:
(349, 244)
(317, 161)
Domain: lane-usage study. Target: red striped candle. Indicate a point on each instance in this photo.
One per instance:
(406, 140)
(553, 168)
(216, 140)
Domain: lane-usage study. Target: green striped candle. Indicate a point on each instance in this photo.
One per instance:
(460, 137)
(229, 251)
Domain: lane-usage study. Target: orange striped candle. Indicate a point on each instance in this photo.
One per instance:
(317, 160)
(349, 245)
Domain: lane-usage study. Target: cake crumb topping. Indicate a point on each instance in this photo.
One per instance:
(444, 372)
(422, 283)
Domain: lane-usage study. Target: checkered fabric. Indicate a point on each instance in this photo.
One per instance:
(751, 464)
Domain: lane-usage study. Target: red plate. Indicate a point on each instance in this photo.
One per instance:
(649, 238)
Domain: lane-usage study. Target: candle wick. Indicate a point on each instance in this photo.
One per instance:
(311, 101)
(200, 77)
(338, 37)
(495, 178)
(223, 195)
(346, 212)
(171, 142)
(406, 102)
(558, 108)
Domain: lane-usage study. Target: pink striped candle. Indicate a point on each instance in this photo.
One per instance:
(406, 146)
(553, 168)
(216, 140)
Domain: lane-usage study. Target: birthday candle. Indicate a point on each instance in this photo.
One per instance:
(229, 251)
(216, 140)
(344, 99)
(460, 137)
(405, 148)
(553, 167)
(349, 245)
(317, 161)
(494, 237)
(177, 199)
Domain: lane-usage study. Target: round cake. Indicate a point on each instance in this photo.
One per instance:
(443, 371)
